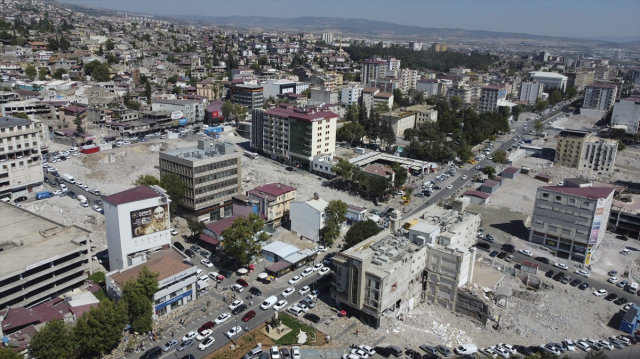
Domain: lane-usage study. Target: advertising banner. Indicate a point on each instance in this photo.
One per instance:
(597, 222)
(149, 220)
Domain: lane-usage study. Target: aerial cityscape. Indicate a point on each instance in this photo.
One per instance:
(306, 179)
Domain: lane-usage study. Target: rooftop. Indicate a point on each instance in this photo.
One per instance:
(11, 121)
(608, 86)
(132, 195)
(300, 114)
(177, 102)
(274, 189)
(206, 149)
(28, 238)
(586, 192)
(166, 263)
(546, 74)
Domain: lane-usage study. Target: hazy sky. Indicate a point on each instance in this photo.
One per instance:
(571, 18)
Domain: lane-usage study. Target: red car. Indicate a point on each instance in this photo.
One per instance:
(205, 326)
(247, 317)
(242, 282)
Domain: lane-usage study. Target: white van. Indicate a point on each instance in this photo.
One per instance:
(465, 349)
(633, 288)
(269, 302)
(204, 278)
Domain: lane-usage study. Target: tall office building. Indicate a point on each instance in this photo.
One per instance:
(530, 92)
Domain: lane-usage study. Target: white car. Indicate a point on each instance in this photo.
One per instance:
(400, 193)
(525, 252)
(450, 186)
(550, 349)
(305, 308)
(233, 332)
(235, 304)
(320, 249)
(360, 353)
(314, 294)
(317, 267)
(295, 353)
(79, 184)
(561, 265)
(600, 292)
(304, 290)
(464, 177)
(295, 280)
(57, 193)
(207, 263)
(583, 345)
(613, 280)
(629, 305)
(204, 334)
(281, 304)
(222, 318)
(63, 187)
(206, 343)
(606, 344)
(97, 208)
(488, 352)
(583, 273)
(367, 349)
(306, 272)
(190, 335)
(237, 288)
(84, 186)
(569, 345)
(275, 354)
(508, 348)
(324, 271)
(500, 351)
(173, 232)
(287, 292)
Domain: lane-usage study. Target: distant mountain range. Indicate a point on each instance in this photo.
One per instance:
(363, 27)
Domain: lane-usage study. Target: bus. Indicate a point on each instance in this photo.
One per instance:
(251, 155)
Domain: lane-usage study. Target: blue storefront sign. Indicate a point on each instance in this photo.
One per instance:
(182, 122)
(174, 299)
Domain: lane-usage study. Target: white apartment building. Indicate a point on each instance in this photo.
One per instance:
(428, 87)
(463, 92)
(308, 217)
(415, 45)
(20, 156)
(599, 97)
(579, 149)
(31, 106)
(192, 110)
(373, 97)
(626, 114)
(409, 79)
(424, 113)
(393, 63)
(350, 95)
(530, 91)
(549, 80)
(490, 96)
(372, 70)
(327, 37)
(571, 220)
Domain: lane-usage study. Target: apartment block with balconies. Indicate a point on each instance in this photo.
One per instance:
(579, 149)
(599, 97)
(20, 156)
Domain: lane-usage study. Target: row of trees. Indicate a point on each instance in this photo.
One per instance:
(100, 329)
(360, 123)
(371, 186)
(170, 182)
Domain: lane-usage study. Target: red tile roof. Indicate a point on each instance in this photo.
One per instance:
(378, 171)
(475, 193)
(208, 239)
(602, 85)
(276, 189)
(491, 183)
(222, 224)
(586, 192)
(131, 195)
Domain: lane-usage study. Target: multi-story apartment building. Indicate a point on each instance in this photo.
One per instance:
(626, 113)
(274, 201)
(212, 173)
(386, 84)
(250, 96)
(605, 73)
(31, 106)
(401, 119)
(571, 220)
(393, 64)
(275, 87)
(372, 98)
(20, 156)
(212, 90)
(192, 110)
(372, 70)
(581, 150)
(580, 78)
(409, 79)
(327, 37)
(424, 113)
(437, 47)
(463, 92)
(351, 95)
(429, 87)
(40, 258)
(294, 135)
(490, 96)
(530, 91)
(549, 80)
(415, 45)
(325, 95)
(8, 97)
(599, 97)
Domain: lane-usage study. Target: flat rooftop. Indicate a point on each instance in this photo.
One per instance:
(385, 251)
(205, 151)
(23, 243)
(166, 263)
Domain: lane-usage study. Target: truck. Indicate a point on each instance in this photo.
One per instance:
(211, 130)
(410, 223)
(68, 178)
(43, 195)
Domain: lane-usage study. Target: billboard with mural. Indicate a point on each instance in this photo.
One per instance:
(149, 220)
(597, 222)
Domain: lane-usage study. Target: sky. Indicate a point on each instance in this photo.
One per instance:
(566, 18)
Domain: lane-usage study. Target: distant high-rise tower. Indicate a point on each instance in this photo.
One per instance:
(327, 37)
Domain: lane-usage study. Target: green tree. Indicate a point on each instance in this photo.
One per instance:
(59, 72)
(227, 110)
(464, 153)
(7, 353)
(147, 91)
(98, 71)
(516, 111)
(175, 187)
(21, 115)
(196, 227)
(571, 93)
(78, 123)
(350, 131)
(242, 240)
(555, 96)
(54, 340)
(42, 73)
(353, 113)
(138, 296)
(540, 104)
(378, 185)
(538, 125)
(343, 169)
(110, 45)
(31, 72)
(596, 355)
(489, 171)
(173, 79)
(100, 51)
(335, 215)
(360, 231)
(133, 105)
(146, 180)
(100, 329)
(456, 103)
(500, 156)
(401, 175)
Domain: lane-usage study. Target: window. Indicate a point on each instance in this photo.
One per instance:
(558, 198)
(545, 195)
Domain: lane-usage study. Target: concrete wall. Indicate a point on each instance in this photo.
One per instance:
(306, 221)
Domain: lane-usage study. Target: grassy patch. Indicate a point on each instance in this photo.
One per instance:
(97, 277)
(101, 295)
(291, 337)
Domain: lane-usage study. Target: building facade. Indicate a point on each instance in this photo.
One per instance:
(308, 218)
(20, 156)
(137, 220)
(571, 220)
(581, 150)
(192, 110)
(580, 78)
(463, 92)
(212, 173)
(626, 113)
(401, 119)
(351, 95)
(549, 80)
(250, 96)
(274, 201)
(530, 92)
(490, 96)
(599, 97)
(372, 70)
(40, 258)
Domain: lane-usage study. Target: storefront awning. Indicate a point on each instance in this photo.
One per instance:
(275, 268)
(202, 284)
(208, 239)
